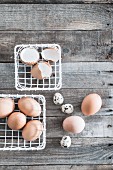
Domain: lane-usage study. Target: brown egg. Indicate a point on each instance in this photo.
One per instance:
(32, 130)
(73, 124)
(16, 120)
(41, 70)
(29, 55)
(7, 106)
(91, 104)
(29, 106)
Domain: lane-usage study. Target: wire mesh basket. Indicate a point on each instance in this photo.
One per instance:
(12, 139)
(23, 77)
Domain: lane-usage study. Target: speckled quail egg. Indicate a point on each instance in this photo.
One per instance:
(67, 108)
(58, 99)
(65, 142)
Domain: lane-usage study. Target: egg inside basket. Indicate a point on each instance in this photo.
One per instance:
(12, 139)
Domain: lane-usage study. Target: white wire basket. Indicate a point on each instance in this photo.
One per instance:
(23, 77)
(12, 139)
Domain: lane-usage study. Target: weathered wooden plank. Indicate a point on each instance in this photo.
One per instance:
(59, 167)
(96, 126)
(86, 153)
(54, 1)
(75, 75)
(73, 96)
(76, 45)
(55, 17)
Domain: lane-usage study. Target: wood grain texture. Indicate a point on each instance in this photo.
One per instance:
(83, 151)
(96, 126)
(76, 45)
(56, 17)
(54, 1)
(75, 75)
(73, 96)
(59, 167)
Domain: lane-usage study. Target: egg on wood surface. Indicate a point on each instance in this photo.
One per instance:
(29, 55)
(29, 106)
(16, 120)
(41, 70)
(32, 130)
(7, 106)
(91, 104)
(67, 108)
(73, 124)
(51, 54)
(58, 98)
(65, 141)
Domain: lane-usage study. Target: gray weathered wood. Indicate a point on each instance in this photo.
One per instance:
(56, 17)
(73, 96)
(55, 1)
(75, 75)
(84, 151)
(59, 167)
(76, 45)
(96, 126)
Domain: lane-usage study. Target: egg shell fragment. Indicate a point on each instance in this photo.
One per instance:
(73, 124)
(91, 104)
(29, 106)
(51, 54)
(16, 120)
(41, 70)
(7, 106)
(29, 55)
(32, 130)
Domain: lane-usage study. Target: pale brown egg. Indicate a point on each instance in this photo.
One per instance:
(16, 120)
(51, 54)
(32, 130)
(41, 70)
(7, 106)
(91, 104)
(29, 106)
(29, 55)
(73, 124)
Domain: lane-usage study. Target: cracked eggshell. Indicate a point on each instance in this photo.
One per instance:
(32, 130)
(29, 55)
(7, 106)
(51, 54)
(58, 99)
(91, 104)
(41, 70)
(29, 106)
(16, 120)
(74, 124)
(67, 108)
(65, 141)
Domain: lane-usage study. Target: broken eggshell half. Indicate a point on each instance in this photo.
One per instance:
(41, 70)
(51, 54)
(29, 55)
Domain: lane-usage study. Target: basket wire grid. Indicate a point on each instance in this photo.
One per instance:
(12, 139)
(23, 77)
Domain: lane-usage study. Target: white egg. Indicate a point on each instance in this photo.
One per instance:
(67, 108)
(65, 142)
(58, 99)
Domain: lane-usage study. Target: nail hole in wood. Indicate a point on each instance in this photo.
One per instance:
(109, 126)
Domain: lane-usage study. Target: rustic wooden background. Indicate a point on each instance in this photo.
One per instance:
(84, 29)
